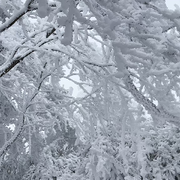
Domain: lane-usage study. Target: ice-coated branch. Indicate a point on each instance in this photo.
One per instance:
(27, 7)
(7, 66)
(15, 17)
(149, 105)
(20, 127)
(14, 137)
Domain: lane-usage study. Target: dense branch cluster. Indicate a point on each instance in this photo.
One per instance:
(86, 87)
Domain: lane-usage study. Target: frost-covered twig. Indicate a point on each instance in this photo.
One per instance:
(14, 137)
(15, 17)
(20, 127)
(7, 66)
(149, 105)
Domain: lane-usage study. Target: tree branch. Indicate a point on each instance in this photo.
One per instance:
(16, 17)
(17, 60)
(22, 119)
(14, 137)
(148, 105)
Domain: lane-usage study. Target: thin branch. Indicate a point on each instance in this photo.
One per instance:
(14, 137)
(18, 59)
(16, 17)
(22, 119)
(149, 105)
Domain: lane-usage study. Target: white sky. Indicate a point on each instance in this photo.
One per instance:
(170, 3)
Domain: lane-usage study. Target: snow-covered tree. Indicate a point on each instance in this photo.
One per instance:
(123, 56)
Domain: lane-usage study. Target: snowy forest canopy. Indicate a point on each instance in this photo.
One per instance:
(123, 58)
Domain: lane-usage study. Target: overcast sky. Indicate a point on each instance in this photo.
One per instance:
(170, 3)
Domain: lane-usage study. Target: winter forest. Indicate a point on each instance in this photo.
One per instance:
(89, 90)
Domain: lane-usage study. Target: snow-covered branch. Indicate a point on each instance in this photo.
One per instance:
(149, 105)
(16, 16)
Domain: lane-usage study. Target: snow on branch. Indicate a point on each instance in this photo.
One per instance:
(15, 17)
(14, 137)
(7, 66)
(20, 127)
(149, 105)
